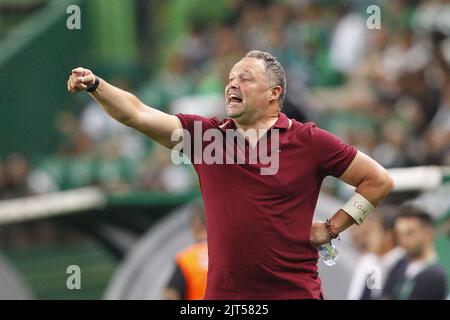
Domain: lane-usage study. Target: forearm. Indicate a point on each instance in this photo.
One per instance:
(372, 182)
(376, 189)
(125, 107)
(340, 221)
(373, 189)
(119, 104)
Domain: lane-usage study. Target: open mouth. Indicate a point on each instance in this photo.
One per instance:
(234, 99)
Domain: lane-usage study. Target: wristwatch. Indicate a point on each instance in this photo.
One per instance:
(94, 86)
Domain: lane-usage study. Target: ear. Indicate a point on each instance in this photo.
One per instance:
(275, 93)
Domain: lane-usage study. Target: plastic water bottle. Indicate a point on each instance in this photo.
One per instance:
(329, 253)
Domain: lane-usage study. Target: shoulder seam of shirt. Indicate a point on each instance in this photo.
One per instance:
(180, 125)
(350, 166)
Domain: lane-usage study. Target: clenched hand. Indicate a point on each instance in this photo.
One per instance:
(319, 233)
(80, 79)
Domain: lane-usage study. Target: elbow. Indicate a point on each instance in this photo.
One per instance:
(380, 182)
(377, 187)
(386, 183)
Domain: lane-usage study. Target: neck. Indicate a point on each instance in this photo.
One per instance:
(428, 254)
(263, 123)
(385, 250)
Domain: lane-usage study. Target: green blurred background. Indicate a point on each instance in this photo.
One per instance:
(155, 49)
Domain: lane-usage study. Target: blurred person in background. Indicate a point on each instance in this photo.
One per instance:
(348, 42)
(23, 180)
(3, 181)
(158, 173)
(188, 281)
(371, 278)
(17, 172)
(72, 140)
(423, 278)
(359, 237)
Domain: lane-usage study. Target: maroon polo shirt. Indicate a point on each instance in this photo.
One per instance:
(259, 225)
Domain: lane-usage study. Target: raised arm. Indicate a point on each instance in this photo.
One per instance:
(126, 107)
(372, 182)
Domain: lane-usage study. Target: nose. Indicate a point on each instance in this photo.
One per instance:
(233, 84)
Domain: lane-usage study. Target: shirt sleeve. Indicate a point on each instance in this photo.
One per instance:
(195, 126)
(188, 121)
(333, 156)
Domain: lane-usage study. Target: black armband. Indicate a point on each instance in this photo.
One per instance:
(94, 86)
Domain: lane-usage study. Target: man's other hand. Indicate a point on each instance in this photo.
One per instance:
(319, 233)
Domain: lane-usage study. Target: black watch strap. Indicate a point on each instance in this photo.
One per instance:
(94, 86)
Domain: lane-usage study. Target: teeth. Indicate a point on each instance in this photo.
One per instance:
(233, 96)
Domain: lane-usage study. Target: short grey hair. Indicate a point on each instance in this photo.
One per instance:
(274, 69)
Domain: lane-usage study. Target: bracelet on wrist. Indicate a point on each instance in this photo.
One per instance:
(330, 230)
(94, 87)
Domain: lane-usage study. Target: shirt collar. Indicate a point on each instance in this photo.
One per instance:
(281, 123)
(227, 124)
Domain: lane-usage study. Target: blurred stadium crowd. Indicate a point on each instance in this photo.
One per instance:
(386, 91)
